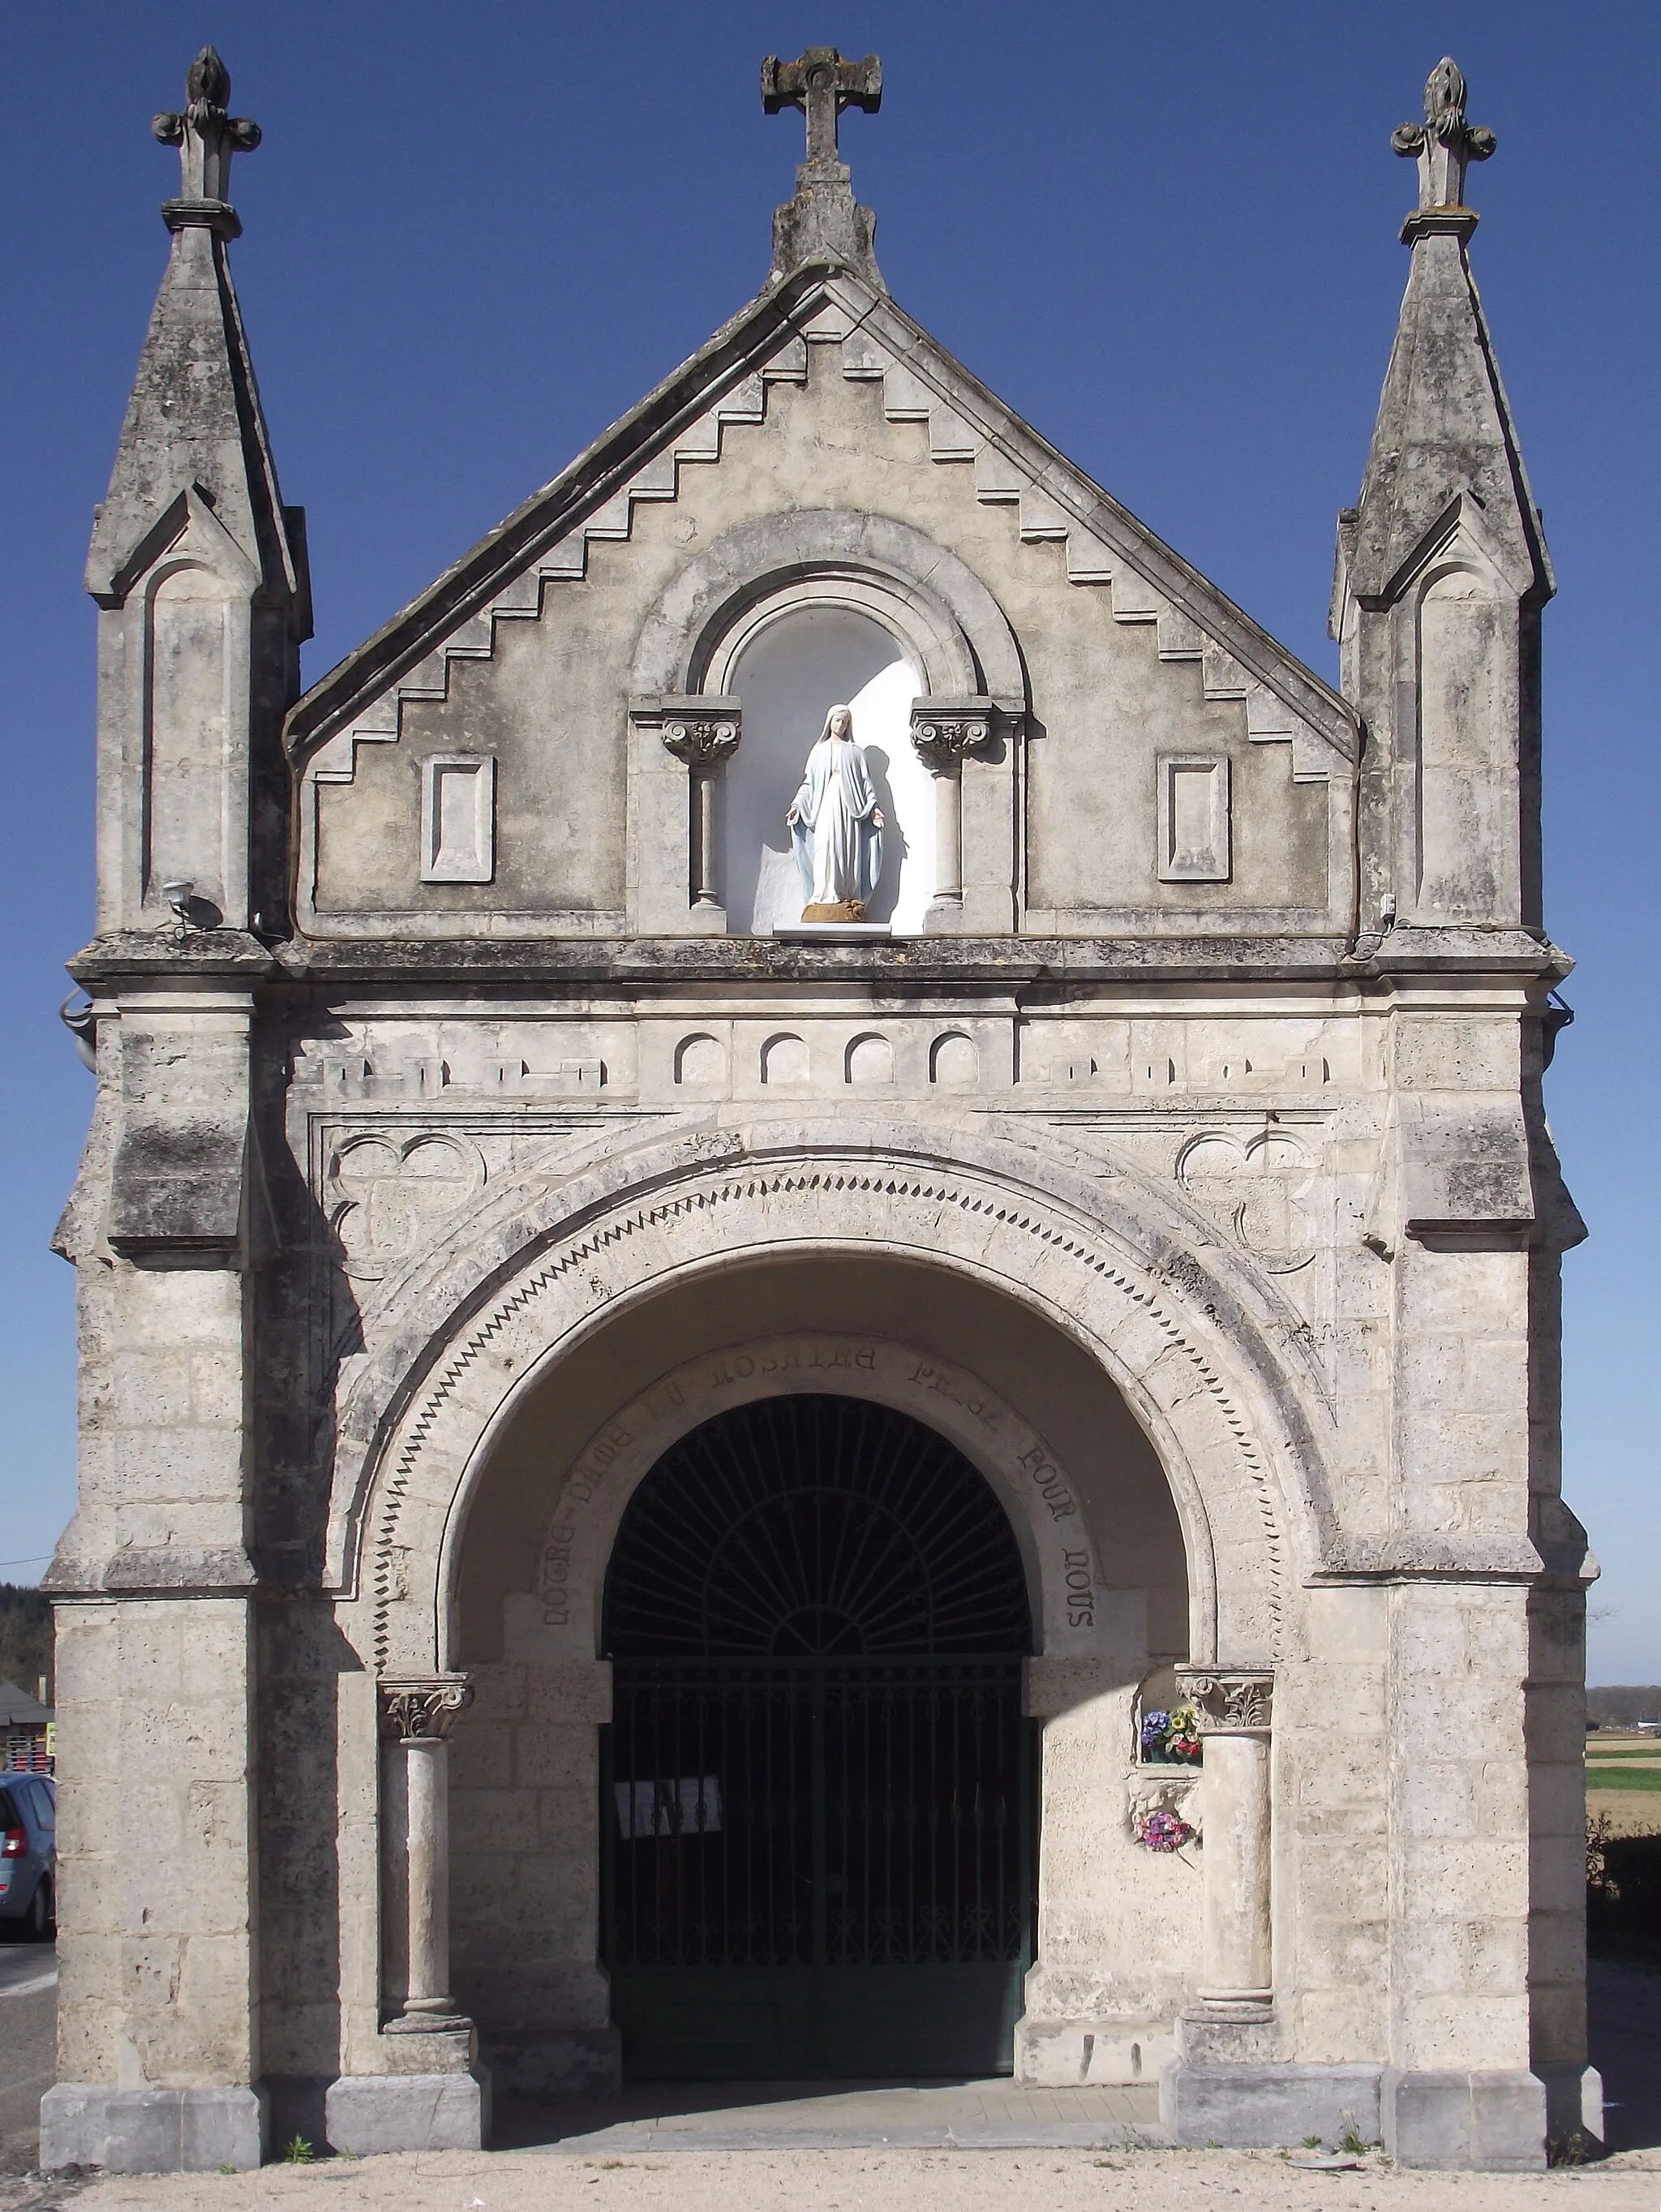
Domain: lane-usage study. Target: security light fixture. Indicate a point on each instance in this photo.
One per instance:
(83, 1026)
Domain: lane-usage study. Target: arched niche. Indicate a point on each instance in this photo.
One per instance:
(735, 667)
(815, 650)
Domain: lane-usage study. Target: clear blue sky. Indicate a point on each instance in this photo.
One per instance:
(476, 234)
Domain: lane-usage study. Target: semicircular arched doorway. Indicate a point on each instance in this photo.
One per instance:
(818, 1808)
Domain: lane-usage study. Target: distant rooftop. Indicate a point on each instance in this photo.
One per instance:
(17, 1707)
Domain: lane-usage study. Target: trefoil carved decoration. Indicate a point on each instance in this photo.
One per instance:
(1259, 1191)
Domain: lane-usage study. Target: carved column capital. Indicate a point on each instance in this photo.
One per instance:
(702, 733)
(422, 1710)
(945, 732)
(1229, 1701)
(701, 740)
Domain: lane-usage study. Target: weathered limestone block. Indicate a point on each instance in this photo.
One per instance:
(157, 1943)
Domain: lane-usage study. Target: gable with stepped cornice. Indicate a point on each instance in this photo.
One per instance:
(823, 395)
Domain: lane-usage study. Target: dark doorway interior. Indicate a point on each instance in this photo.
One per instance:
(818, 1808)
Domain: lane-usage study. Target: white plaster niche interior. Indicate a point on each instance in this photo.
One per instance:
(790, 669)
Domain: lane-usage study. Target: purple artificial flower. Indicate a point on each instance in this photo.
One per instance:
(1163, 1832)
(1154, 1727)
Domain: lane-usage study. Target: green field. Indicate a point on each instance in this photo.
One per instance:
(1624, 1777)
(1652, 1750)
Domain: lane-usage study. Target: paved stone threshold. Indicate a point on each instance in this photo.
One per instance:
(992, 2115)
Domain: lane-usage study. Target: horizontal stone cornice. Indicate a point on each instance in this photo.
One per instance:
(152, 1571)
(630, 963)
(1427, 1556)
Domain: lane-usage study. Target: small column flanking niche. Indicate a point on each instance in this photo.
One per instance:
(945, 734)
(416, 1717)
(1235, 1708)
(702, 735)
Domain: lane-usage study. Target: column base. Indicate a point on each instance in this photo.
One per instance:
(1237, 2036)
(573, 2062)
(1490, 2122)
(151, 2131)
(368, 2112)
(1574, 2102)
(1267, 2107)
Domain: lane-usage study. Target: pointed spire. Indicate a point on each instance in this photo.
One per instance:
(200, 572)
(822, 222)
(206, 138)
(194, 419)
(1444, 425)
(1441, 575)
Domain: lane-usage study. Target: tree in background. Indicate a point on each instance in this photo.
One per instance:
(1623, 1702)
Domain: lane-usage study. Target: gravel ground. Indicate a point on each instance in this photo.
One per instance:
(852, 2181)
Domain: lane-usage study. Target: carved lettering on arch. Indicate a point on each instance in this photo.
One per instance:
(1032, 1484)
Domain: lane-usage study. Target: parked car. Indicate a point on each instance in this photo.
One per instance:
(28, 1852)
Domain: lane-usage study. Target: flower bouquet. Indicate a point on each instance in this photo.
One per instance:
(1163, 1832)
(1170, 1739)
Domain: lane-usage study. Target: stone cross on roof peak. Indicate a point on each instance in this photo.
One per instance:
(822, 224)
(821, 83)
(206, 137)
(1444, 143)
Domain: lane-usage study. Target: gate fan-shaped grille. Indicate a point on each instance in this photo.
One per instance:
(814, 1526)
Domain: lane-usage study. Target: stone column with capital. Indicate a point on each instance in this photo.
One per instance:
(945, 732)
(1234, 1712)
(680, 746)
(705, 740)
(416, 1721)
(1231, 2082)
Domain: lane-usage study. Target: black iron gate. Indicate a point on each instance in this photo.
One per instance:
(817, 1853)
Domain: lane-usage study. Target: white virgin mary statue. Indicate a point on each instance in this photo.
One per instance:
(836, 826)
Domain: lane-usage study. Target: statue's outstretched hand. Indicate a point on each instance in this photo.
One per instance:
(792, 818)
(876, 817)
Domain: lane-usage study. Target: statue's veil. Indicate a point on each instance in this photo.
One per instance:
(830, 717)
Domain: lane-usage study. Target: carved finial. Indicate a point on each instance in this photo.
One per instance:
(822, 222)
(822, 84)
(206, 137)
(1444, 143)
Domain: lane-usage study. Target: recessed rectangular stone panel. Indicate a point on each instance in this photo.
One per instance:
(458, 819)
(1194, 843)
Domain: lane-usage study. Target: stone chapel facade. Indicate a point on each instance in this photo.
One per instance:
(668, 1488)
